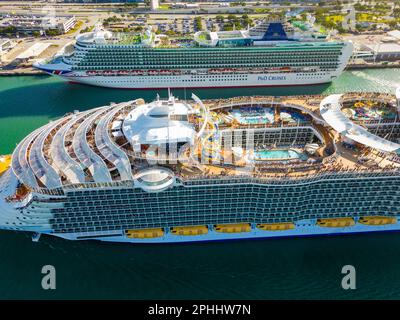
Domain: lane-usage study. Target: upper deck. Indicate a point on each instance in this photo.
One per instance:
(265, 138)
(266, 33)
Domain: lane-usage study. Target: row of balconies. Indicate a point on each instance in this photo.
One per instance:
(204, 60)
(270, 200)
(235, 202)
(149, 223)
(307, 55)
(386, 188)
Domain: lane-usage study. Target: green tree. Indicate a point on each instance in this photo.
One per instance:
(53, 32)
(219, 18)
(198, 23)
(8, 30)
(232, 17)
(246, 21)
(392, 24)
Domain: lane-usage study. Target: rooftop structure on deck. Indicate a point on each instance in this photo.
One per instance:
(161, 122)
(266, 31)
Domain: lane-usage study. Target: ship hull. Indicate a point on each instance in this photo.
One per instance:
(200, 81)
(305, 228)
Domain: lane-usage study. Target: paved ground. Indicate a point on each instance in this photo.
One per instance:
(90, 14)
(365, 39)
(57, 42)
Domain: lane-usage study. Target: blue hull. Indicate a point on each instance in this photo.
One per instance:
(303, 229)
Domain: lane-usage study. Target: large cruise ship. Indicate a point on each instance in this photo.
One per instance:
(179, 171)
(271, 54)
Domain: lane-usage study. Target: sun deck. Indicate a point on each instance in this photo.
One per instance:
(67, 167)
(40, 166)
(20, 163)
(282, 138)
(86, 155)
(110, 149)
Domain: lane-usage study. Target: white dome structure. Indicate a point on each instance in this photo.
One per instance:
(159, 123)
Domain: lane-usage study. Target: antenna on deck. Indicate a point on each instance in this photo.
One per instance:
(171, 98)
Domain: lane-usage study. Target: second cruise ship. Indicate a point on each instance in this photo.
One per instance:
(273, 53)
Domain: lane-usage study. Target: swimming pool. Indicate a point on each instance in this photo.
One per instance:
(253, 115)
(277, 155)
(254, 120)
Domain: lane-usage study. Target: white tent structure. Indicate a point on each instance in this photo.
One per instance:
(159, 123)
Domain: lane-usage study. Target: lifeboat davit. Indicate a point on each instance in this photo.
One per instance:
(165, 72)
(137, 72)
(109, 72)
(152, 72)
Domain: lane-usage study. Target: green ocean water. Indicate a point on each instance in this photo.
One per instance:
(281, 268)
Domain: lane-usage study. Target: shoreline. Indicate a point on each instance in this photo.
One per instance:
(371, 66)
(22, 72)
